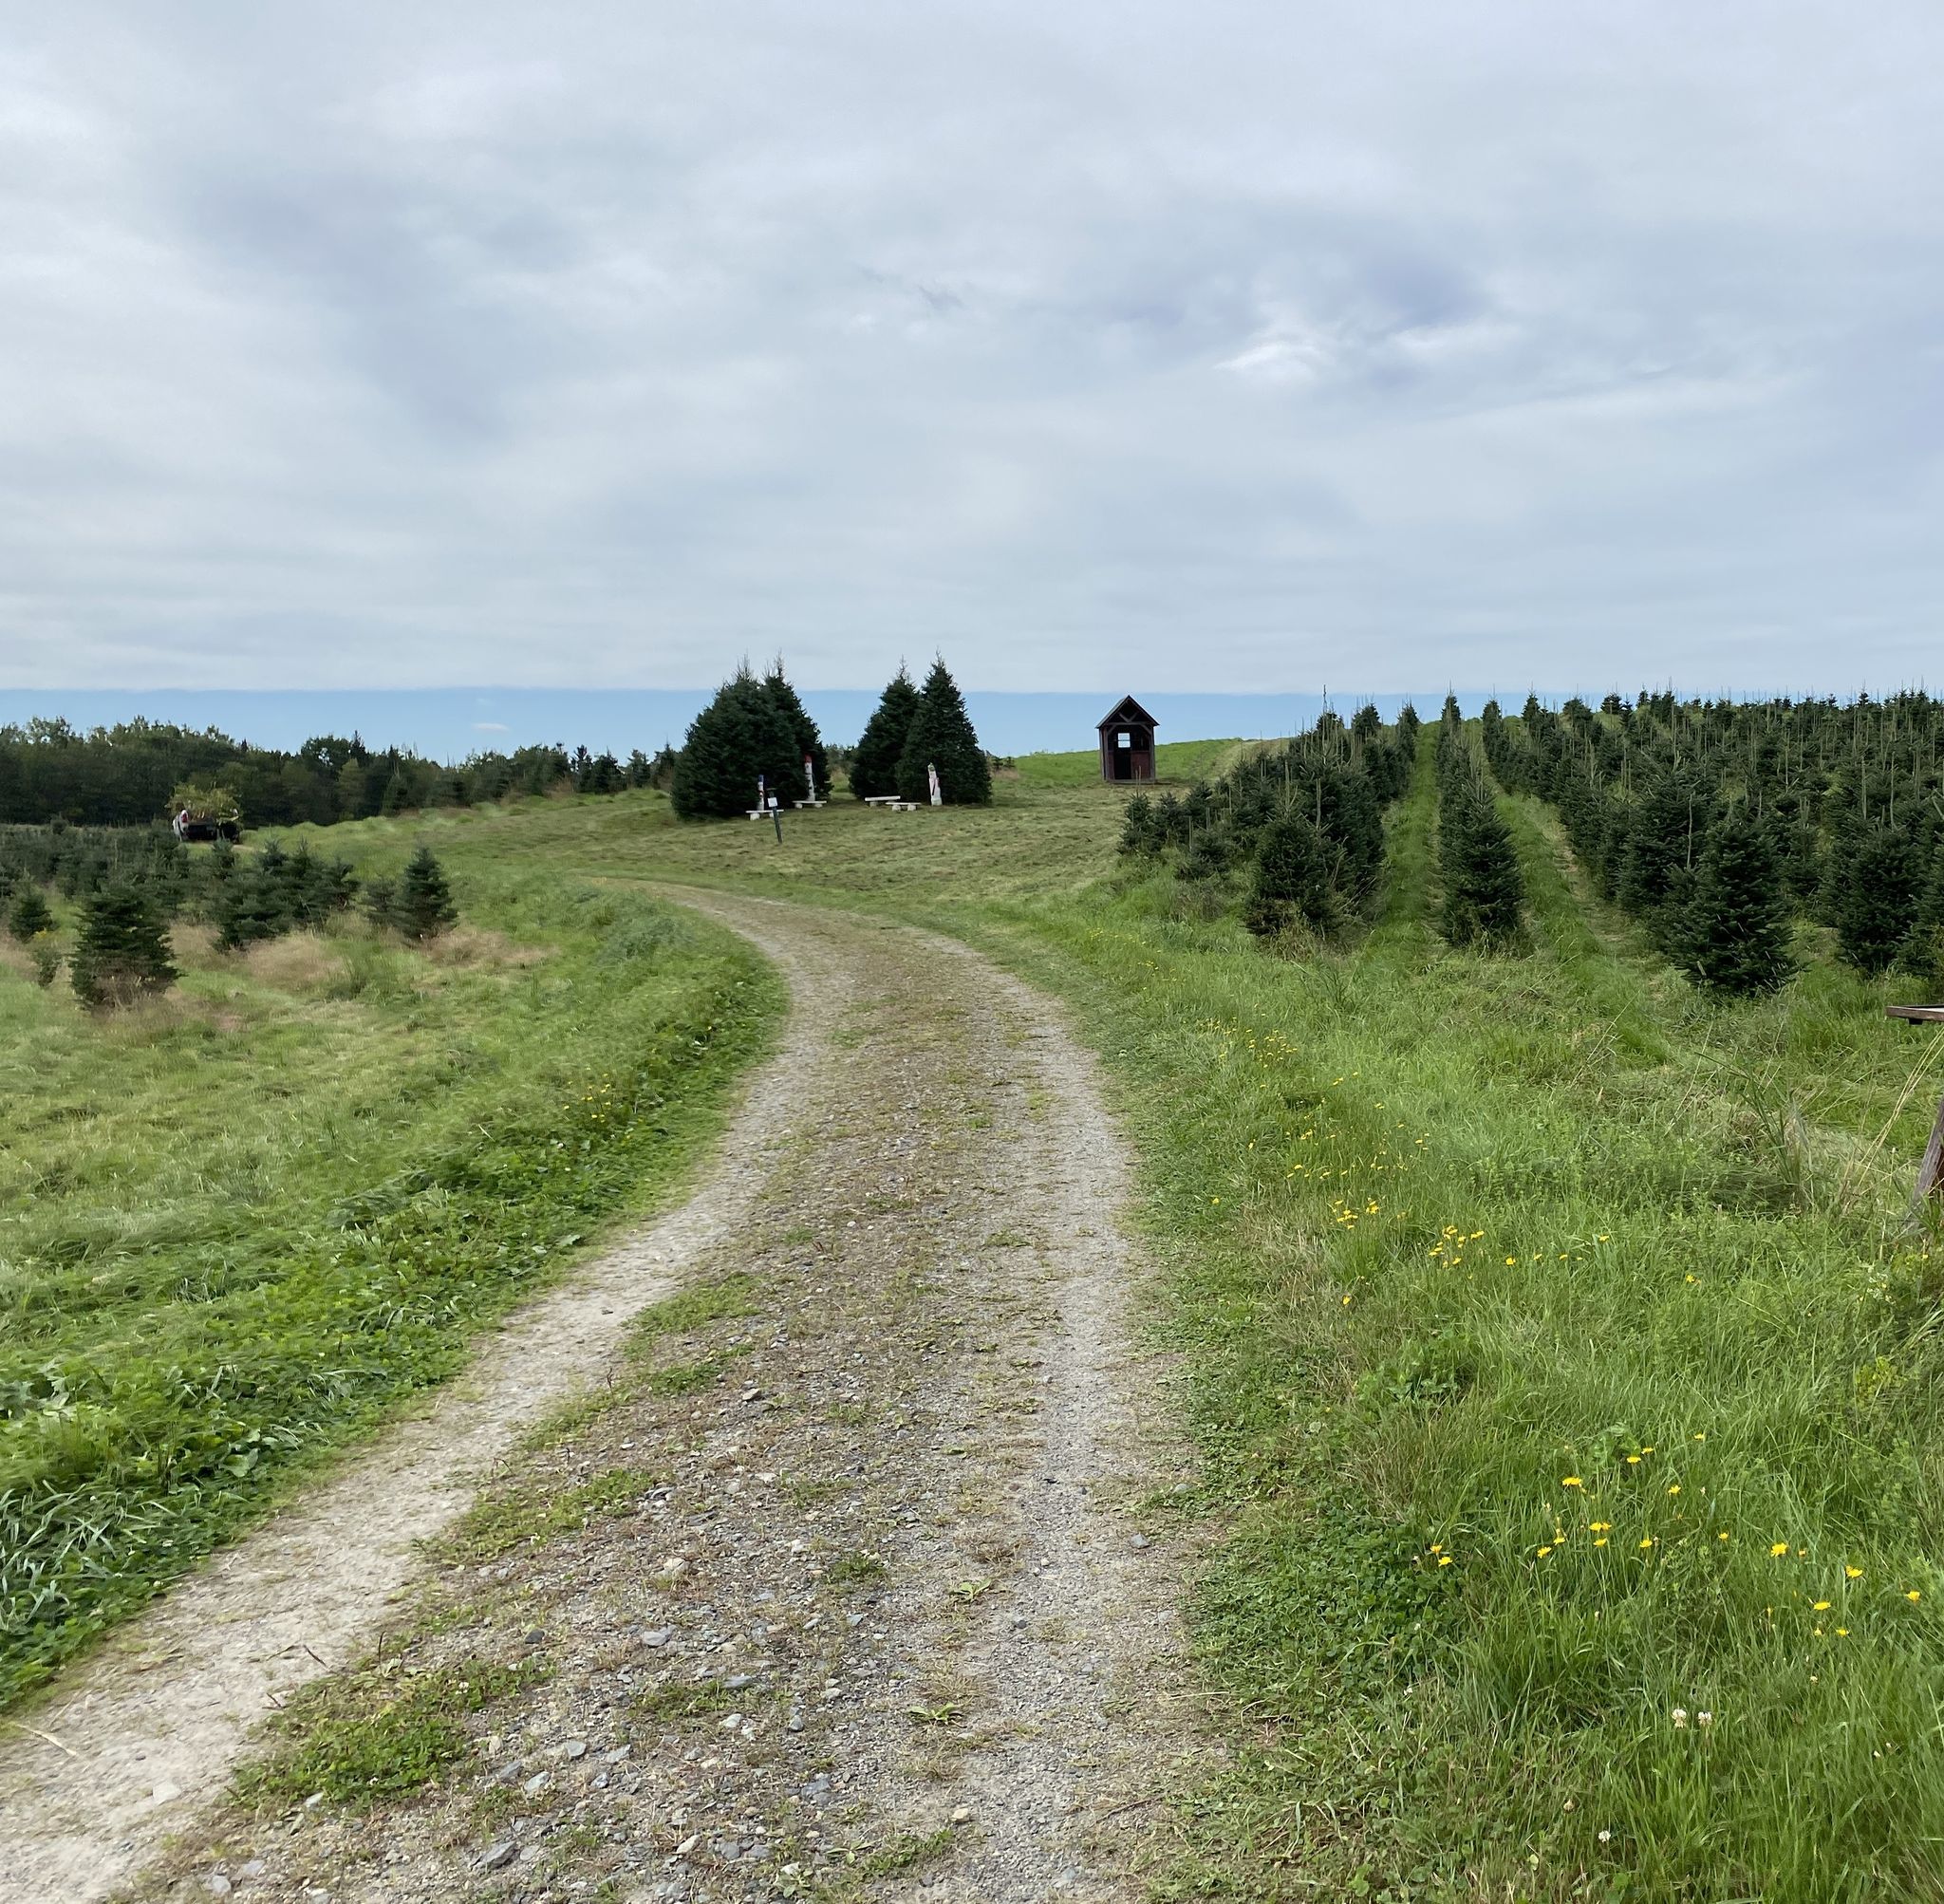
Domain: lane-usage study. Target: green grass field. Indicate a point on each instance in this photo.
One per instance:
(1563, 1366)
(238, 1226)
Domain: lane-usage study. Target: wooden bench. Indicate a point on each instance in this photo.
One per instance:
(1931, 1171)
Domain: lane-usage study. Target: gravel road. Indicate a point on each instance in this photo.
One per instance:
(862, 1601)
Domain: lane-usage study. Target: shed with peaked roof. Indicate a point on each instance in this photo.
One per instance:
(1127, 742)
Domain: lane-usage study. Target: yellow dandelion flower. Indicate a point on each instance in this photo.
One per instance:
(1675, 1488)
(1912, 1595)
(1601, 1541)
(1438, 1546)
(1853, 1573)
(1820, 1607)
(1776, 1552)
(1570, 1481)
(1633, 1461)
(1444, 1560)
(1842, 1632)
(1544, 1552)
(1723, 1535)
(1647, 1541)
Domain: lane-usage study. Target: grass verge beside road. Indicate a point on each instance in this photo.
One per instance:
(238, 1227)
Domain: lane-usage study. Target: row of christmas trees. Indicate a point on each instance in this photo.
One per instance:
(1718, 824)
(758, 733)
(1295, 835)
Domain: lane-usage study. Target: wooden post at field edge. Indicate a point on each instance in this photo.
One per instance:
(1931, 1171)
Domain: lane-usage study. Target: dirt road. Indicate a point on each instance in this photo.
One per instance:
(837, 1580)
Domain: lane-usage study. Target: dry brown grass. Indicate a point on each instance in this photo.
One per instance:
(191, 944)
(299, 961)
(480, 947)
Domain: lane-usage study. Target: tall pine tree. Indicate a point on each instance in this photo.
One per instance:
(942, 737)
(421, 907)
(1737, 933)
(1485, 891)
(874, 761)
(809, 742)
(740, 735)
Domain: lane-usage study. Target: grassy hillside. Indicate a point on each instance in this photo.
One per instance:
(235, 1225)
(1561, 1363)
(1563, 1366)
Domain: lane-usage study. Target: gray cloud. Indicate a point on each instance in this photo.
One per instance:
(1225, 347)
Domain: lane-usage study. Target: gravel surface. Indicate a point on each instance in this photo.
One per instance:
(862, 1603)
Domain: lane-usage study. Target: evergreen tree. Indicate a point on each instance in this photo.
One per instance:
(1138, 831)
(1737, 935)
(119, 953)
(254, 903)
(1876, 902)
(1291, 880)
(740, 735)
(423, 907)
(809, 741)
(942, 737)
(1483, 887)
(397, 795)
(875, 761)
(29, 915)
(1925, 951)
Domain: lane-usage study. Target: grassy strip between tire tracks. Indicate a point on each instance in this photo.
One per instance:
(1565, 1377)
(237, 1228)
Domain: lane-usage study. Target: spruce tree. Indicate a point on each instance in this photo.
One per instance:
(1291, 880)
(119, 954)
(1737, 932)
(740, 735)
(942, 737)
(1925, 952)
(421, 907)
(1876, 904)
(804, 730)
(29, 915)
(875, 761)
(1483, 889)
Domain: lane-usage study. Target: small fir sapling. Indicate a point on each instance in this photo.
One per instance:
(423, 907)
(119, 953)
(29, 916)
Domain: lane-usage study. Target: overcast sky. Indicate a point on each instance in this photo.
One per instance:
(1207, 345)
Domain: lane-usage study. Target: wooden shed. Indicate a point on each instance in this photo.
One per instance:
(1127, 742)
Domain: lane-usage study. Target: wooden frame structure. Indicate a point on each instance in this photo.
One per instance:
(1126, 744)
(1931, 1171)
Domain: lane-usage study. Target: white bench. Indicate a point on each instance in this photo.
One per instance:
(881, 800)
(801, 805)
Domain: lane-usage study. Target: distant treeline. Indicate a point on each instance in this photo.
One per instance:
(124, 776)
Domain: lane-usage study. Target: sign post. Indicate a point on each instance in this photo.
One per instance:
(1931, 1171)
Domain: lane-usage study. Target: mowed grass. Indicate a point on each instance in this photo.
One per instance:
(1562, 1363)
(237, 1226)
